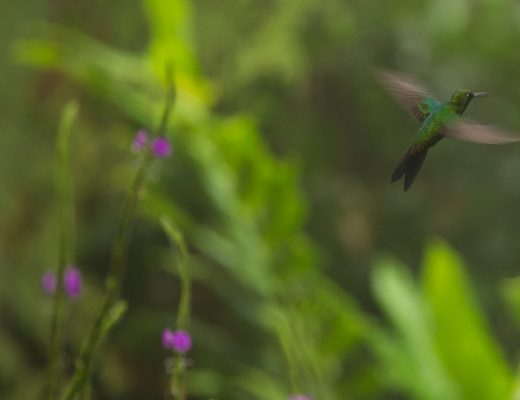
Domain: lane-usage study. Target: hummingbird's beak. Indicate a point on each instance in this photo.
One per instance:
(480, 94)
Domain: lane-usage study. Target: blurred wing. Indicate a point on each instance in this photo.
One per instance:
(407, 93)
(472, 132)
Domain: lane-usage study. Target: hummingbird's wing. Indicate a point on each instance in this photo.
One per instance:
(407, 92)
(470, 131)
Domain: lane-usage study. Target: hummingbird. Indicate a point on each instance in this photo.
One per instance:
(438, 120)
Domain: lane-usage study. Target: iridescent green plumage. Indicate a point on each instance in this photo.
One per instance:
(438, 120)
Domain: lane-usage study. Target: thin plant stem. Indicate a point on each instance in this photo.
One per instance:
(170, 100)
(113, 285)
(285, 335)
(183, 271)
(66, 245)
(178, 387)
(105, 318)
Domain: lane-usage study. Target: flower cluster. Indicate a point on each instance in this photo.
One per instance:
(179, 341)
(160, 146)
(72, 282)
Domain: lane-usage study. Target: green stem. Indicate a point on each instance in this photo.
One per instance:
(116, 271)
(179, 389)
(170, 99)
(286, 338)
(113, 283)
(66, 245)
(178, 386)
(183, 270)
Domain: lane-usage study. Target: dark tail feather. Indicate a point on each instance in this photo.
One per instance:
(409, 167)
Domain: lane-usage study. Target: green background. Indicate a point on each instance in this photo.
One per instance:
(283, 150)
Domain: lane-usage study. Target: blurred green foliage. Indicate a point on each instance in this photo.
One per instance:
(279, 182)
(444, 347)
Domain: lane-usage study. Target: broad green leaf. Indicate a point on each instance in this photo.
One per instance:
(418, 367)
(463, 338)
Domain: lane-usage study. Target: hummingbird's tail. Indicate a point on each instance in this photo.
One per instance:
(409, 166)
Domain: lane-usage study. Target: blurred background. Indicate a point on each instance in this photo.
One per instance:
(312, 273)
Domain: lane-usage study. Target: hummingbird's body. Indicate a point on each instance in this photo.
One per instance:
(438, 115)
(437, 121)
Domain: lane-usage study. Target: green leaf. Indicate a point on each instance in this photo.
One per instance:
(411, 359)
(171, 34)
(463, 338)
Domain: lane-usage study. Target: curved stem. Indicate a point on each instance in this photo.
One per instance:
(117, 265)
(178, 388)
(66, 245)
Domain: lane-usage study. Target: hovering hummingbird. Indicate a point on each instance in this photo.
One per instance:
(438, 120)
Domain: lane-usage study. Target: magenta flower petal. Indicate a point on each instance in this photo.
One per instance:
(72, 282)
(299, 397)
(141, 140)
(167, 338)
(161, 147)
(49, 282)
(179, 341)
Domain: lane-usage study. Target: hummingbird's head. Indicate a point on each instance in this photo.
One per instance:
(461, 99)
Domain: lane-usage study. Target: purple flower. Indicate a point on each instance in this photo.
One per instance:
(167, 338)
(161, 147)
(49, 282)
(179, 341)
(141, 140)
(299, 397)
(72, 281)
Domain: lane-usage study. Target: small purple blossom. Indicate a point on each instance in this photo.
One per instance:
(299, 397)
(72, 282)
(141, 140)
(49, 282)
(167, 338)
(161, 147)
(179, 341)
